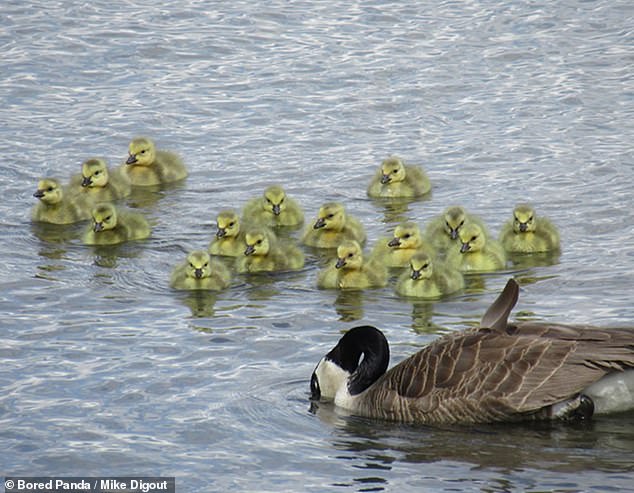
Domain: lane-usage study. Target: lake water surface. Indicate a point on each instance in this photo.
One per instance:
(107, 371)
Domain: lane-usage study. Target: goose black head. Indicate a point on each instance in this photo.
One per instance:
(360, 357)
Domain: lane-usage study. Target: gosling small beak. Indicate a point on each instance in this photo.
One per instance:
(394, 242)
(465, 248)
(415, 274)
(249, 250)
(86, 181)
(131, 159)
(97, 227)
(453, 233)
(523, 227)
(385, 179)
(340, 263)
(320, 223)
(39, 194)
(221, 232)
(276, 209)
(198, 273)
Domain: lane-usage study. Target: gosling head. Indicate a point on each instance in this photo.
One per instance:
(257, 242)
(524, 219)
(406, 235)
(228, 224)
(421, 267)
(274, 200)
(198, 265)
(472, 238)
(104, 217)
(331, 216)
(349, 255)
(49, 191)
(94, 173)
(392, 170)
(454, 220)
(141, 151)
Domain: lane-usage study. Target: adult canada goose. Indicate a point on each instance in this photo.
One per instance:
(528, 233)
(333, 225)
(398, 250)
(96, 183)
(476, 253)
(396, 179)
(350, 271)
(263, 252)
(199, 271)
(111, 226)
(442, 231)
(229, 238)
(147, 166)
(54, 206)
(428, 278)
(274, 208)
(500, 371)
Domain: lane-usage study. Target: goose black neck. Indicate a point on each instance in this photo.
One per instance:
(367, 341)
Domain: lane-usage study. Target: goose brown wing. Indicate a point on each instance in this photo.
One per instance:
(488, 375)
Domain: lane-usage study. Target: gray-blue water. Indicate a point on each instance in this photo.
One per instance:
(106, 371)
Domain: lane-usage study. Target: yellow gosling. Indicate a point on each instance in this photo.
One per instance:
(442, 231)
(274, 208)
(96, 183)
(333, 226)
(396, 179)
(528, 233)
(200, 272)
(229, 238)
(54, 207)
(428, 278)
(111, 226)
(147, 166)
(397, 251)
(350, 271)
(263, 252)
(476, 253)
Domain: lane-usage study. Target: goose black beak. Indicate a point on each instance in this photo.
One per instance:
(340, 263)
(131, 159)
(97, 227)
(249, 250)
(39, 194)
(276, 209)
(221, 232)
(465, 248)
(385, 179)
(394, 242)
(453, 233)
(320, 223)
(523, 227)
(415, 274)
(86, 181)
(198, 273)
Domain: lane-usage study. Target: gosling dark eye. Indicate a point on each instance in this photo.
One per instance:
(461, 223)
(473, 238)
(108, 218)
(530, 219)
(192, 265)
(259, 242)
(231, 224)
(330, 216)
(406, 236)
(206, 264)
(350, 255)
(143, 151)
(97, 173)
(49, 189)
(425, 266)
